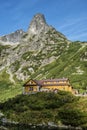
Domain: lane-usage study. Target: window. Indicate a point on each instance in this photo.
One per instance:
(30, 88)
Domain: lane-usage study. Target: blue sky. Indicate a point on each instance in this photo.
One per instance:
(67, 16)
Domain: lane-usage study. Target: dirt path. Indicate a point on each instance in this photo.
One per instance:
(10, 76)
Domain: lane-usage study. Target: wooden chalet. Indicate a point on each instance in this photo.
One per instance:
(54, 85)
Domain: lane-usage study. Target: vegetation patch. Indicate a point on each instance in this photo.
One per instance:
(27, 55)
(16, 65)
(46, 107)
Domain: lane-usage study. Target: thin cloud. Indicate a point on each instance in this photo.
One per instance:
(72, 22)
(75, 28)
(80, 36)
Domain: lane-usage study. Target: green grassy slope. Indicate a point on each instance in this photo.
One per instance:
(70, 64)
(8, 89)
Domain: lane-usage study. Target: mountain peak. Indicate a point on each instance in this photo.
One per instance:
(39, 18)
(38, 24)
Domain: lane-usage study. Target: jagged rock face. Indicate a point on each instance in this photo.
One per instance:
(38, 25)
(13, 37)
(34, 50)
(40, 33)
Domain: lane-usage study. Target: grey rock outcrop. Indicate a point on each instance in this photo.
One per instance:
(13, 37)
(38, 25)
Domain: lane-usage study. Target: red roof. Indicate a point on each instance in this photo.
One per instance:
(41, 82)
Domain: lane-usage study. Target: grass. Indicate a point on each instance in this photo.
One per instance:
(7, 89)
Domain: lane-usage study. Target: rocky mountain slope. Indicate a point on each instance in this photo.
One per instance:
(14, 37)
(41, 52)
